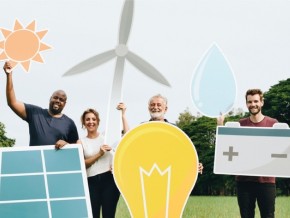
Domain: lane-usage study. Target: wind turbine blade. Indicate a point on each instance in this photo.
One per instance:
(91, 63)
(126, 21)
(113, 122)
(146, 68)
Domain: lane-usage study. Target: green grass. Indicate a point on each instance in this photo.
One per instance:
(217, 207)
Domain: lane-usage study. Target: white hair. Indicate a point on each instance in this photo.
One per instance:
(158, 96)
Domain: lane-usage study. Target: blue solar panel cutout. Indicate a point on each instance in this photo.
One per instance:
(40, 181)
(61, 160)
(23, 162)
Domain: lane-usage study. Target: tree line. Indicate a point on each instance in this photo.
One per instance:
(4, 140)
(201, 130)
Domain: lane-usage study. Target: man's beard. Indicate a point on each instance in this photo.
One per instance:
(258, 109)
(156, 115)
(53, 110)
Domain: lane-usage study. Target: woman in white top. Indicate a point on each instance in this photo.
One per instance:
(104, 193)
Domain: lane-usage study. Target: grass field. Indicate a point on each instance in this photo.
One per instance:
(215, 207)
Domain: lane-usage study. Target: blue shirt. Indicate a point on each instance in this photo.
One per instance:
(47, 130)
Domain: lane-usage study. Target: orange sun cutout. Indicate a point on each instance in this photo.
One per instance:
(22, 45)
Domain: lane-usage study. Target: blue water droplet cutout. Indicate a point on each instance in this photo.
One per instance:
(213, 85)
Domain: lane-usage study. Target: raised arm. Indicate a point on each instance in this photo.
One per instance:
(220, 120)
(17, 106)
(122, 107)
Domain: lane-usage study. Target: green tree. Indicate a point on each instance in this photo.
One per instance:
(277, 105)
(201, 130)
(185, 118)
(4, 140)
(277, 101)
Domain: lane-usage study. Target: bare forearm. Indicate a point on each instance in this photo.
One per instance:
(125, 124)
(10, 94)
(91, 160)
(17, 106)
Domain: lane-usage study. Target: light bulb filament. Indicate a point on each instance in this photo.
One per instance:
(155, 182)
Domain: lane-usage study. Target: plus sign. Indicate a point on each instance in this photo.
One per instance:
(230, 153)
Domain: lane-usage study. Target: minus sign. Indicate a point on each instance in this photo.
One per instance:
(279, 155)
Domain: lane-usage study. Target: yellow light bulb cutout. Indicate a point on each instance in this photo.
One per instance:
(155, 168)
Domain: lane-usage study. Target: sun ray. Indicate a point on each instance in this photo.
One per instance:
(22, 45)
(5, 32)
(3, 56)
(2, 44)
(26, 65)
(31, 26)
(38, 58)
(44, 47)
(17, 25)
(41, 34)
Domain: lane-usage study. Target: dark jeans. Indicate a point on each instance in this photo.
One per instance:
(250, 192)
(104, 194)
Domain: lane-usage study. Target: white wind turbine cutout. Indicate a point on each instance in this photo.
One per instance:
(113, 123)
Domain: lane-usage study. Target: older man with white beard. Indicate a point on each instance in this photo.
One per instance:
(157, 107)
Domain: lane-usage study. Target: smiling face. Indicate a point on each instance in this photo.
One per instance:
(157, 108)
(254, 104)
(90, 120)
(57, 102)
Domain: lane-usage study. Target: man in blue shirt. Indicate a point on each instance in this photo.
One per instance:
(46, 126)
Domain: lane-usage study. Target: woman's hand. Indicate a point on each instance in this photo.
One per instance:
(104, 149)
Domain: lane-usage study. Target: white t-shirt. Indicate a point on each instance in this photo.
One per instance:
(92, 147)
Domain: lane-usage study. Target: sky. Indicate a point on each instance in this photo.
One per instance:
(172, 35)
